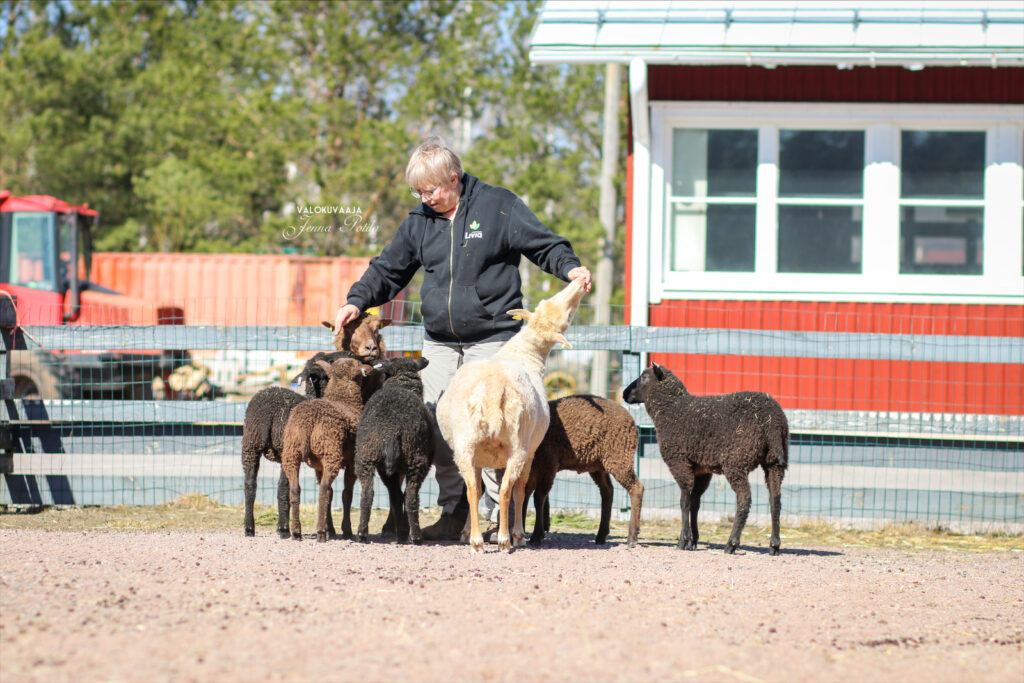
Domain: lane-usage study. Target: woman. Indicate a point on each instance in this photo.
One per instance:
(469, 238)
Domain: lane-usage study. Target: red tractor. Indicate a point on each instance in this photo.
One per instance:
(45, 260)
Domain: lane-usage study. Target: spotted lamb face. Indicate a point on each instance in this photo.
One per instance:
(637, 390)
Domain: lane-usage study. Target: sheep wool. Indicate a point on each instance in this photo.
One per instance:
(268, 411)
(395, 439)
(321, 433)
(594, 435)
(729, 434)
(495, 412)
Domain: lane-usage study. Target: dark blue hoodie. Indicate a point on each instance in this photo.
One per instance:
(471, 264)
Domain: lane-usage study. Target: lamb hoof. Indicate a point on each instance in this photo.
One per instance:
(687, 546)
(250, 532)
(321, 537)
(730, 549)
(536, 540)
(518, 541)
(364, 538)
(774, 550)
(283, 533)
(631, 543)
(476, 544)
(600, 540)
(297, 536)
(417, 541)
(346, 535)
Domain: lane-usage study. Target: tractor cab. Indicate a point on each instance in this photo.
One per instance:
(44, 243)
(45, 260)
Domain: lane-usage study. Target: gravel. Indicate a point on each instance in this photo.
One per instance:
(201, 606)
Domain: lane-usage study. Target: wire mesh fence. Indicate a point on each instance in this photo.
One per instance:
(906, 423)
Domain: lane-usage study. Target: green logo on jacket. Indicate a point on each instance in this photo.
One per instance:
(474, 226)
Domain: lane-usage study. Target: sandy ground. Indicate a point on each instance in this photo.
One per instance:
(216, 606)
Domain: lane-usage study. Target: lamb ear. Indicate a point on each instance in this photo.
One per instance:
(325, 365)
(659, 371)
(384, 322)
(564, 342)
(520, 313)
(422, 362)
(328, 325)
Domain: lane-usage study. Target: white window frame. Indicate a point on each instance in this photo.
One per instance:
(880, 280)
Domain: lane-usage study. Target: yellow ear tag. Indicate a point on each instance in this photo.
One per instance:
(517, 317)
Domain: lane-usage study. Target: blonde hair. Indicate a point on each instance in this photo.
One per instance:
(431, 164)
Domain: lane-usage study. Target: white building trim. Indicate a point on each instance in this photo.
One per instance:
(880, 280)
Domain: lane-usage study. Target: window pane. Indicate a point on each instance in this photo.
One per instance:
(937, 164)
(730, 241)
(819, 239)
(33, 253)
(821, 163)
(714, 163)
(938, 239)
(713, 238)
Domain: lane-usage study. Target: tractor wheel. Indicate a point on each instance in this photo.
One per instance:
(33, 379)
(558, 384)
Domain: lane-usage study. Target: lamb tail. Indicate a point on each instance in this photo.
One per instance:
(489, 403)
(391, 455)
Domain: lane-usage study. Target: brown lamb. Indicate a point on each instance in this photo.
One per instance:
(594, 435)
(268, 410)
(321, 432)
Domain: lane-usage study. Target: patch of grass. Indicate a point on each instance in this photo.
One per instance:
(193, 512)
(196, 512)
(809, 534)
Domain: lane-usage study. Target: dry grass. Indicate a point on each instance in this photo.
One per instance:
(816, 534)
(197, 512)
(193, 512)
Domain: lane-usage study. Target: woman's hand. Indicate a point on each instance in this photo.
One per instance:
(345, 315)
(581, 272)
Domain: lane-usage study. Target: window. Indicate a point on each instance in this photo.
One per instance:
(846, 202)
(821, 195)
(942, 192)
(33, 251)
(714, 190)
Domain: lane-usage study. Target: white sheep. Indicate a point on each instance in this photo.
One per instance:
(495, 413)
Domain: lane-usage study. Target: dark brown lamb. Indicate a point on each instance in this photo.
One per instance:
(587, 434)
(268, 410)
(395, 439)
(321, 433)
(730, 434)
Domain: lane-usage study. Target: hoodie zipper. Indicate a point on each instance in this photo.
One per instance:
(451, 271)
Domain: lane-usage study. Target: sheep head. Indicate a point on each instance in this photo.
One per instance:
(404, 372)
(349, 369)
(639, 389)
(553, 315)
(362, 336)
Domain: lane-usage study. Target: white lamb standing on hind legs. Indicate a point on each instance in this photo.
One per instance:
(495, 412)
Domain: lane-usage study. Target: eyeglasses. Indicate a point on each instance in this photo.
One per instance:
(425, 194)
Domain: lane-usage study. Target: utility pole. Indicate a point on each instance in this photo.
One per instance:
(605, 274)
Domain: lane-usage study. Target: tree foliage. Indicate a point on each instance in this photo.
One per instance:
(207, 126)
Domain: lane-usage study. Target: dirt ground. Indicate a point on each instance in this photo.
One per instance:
(214, 605)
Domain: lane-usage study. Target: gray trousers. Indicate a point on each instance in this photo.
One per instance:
(444, 360)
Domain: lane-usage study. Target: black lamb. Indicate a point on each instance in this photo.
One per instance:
(395, 439)
(730, 434)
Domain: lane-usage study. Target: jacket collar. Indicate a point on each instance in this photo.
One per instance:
(469, 186)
